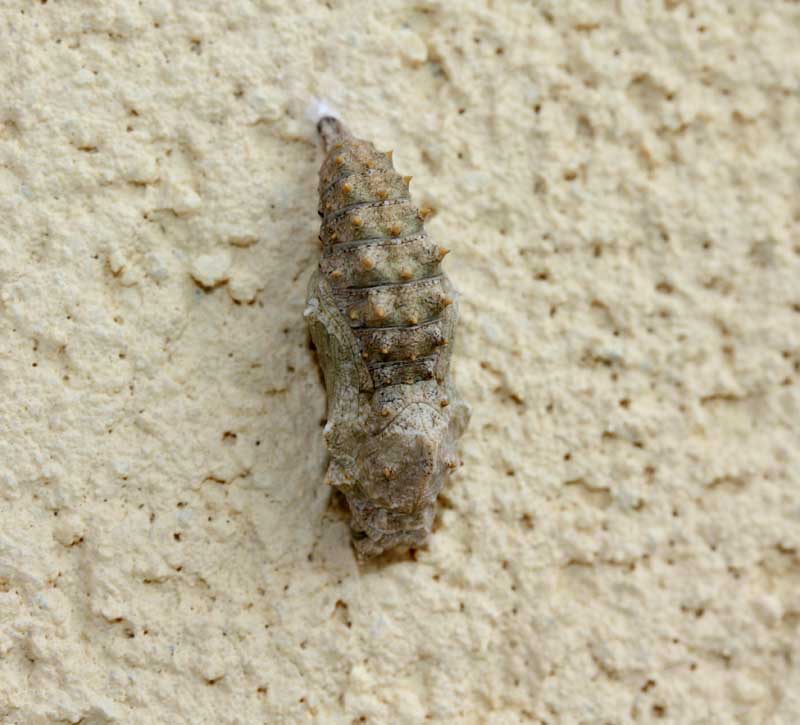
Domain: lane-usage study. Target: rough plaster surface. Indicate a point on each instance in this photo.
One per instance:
(619, 184)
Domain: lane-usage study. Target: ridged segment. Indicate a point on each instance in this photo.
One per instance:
(356, 188)
(391, 218)
(395, 305)
(352, 156)
(381, 262)
(382, 269)
(403, 373)
(393, 344)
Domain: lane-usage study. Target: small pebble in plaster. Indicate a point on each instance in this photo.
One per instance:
(156, 267)
(244, 286)
(185, 200)
(412, 48)
(210, 270)
(239, 237)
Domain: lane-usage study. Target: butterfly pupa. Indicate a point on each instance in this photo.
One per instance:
(382, 315)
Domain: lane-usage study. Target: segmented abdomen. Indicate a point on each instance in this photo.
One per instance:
(383, 270)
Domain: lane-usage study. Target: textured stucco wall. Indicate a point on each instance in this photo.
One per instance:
(620, 184)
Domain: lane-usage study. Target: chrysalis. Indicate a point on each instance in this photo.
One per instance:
(382, 316)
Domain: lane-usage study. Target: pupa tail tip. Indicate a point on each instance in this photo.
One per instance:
(331, 129)
(329, 126)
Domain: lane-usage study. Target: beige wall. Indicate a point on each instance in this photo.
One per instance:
(618, 182)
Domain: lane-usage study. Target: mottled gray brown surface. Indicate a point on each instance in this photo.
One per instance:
(382, 316)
